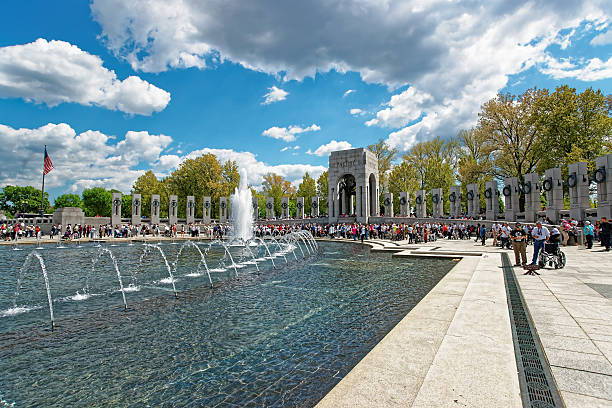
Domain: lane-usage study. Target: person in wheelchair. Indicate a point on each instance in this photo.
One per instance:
(551, 253)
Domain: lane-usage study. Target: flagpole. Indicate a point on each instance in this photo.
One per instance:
(42, 197)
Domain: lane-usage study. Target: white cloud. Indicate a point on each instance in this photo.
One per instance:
(326, 149)
(585, 70)
(357, 112)
(275, 95)
(54, 72)
(257, 169)
(288, 134)
(92, 158)
(604, 38)
(453, 55)
(81, 160)
(403, 108)
(348, 92)
(284, 149)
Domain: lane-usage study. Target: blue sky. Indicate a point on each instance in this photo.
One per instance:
(116, 87)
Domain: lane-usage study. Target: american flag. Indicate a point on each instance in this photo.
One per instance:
(48, 166)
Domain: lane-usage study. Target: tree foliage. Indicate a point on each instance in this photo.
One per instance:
(15, 199)
(277, 187)
(385, 155)
(68, 200)
(322, 192)
(307, 189)
(97, 202)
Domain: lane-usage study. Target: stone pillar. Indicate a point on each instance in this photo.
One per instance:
(511, 198)
(190, 210)
(454, 198)
(388, 203)
(578, 183)
(206, 210)
(116, 209)
(404, 204)
(173, 210)
(270, 207)
(314, 207)
(473, 205)
(285, 207)
(437, 199)
(603, 178)
(491, 200)
(155, 207)
(255, 208)
(531, 189)
(136, 209)
(299, 205)
(421, 202)
(553, 187)
(223, 209)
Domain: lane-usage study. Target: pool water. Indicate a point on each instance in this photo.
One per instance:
(284, 337)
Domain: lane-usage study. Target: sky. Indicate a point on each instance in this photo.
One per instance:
(115, 88)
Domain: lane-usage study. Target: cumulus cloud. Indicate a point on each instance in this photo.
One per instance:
(585, 70)
(274, 95)
(288, 134)
(326, 149)
(83, 160)
(357, 112)
(453, 55)
(94, 159)
(257, 169)
(54, 72)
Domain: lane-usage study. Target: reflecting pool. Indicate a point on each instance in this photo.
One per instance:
(283, 337)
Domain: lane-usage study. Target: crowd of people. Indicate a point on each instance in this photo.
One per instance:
(502, 233)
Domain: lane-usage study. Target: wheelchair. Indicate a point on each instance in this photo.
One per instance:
(552, 256)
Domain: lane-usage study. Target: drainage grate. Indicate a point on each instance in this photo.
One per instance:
(538, 388)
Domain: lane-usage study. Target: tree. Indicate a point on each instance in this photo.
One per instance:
(147, 185)
(573, 127)
(402, 178)
(385, 155)
(277, 187)
(433, 163)
(510, 124)
(97, 202)
(322, 192)
(307, 189)
(199, 177)
(15, 199)
(68, 200)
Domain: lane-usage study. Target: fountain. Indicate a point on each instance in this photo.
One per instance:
(43, 268)
(242, 210)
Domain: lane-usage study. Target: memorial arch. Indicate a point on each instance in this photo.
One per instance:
(353, 185)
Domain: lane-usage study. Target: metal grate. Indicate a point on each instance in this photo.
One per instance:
(538, 388)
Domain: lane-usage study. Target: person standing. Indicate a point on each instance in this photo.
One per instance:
(519, 244)
(605, 230)
(588, 234)
(540, 235)
(483, 233)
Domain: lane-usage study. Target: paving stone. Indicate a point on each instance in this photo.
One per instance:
(582, 382)
(583, 401)
(576, 360)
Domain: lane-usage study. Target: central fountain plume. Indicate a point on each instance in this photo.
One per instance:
(242, 210)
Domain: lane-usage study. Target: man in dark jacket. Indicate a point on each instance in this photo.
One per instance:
(605, 230)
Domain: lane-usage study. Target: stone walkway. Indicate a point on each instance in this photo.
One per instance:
(455, 347)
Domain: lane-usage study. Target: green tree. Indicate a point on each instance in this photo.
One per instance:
(277, 187)
(510, 124)
(199, 177)
(148, 184)
(402, 178)
(322, 192)
(68, 200)
(574, 127)
(97, 202)
(307, 189)
(15, 199)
